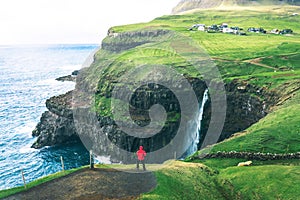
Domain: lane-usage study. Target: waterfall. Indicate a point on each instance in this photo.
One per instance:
(196, 126)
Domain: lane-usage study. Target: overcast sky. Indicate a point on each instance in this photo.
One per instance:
(72, 21)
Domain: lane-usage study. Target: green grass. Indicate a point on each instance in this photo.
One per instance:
(287, 62)
(222, 179)
(238, 69)
(264, 182)
(185, 181)
(269, 80)
(228, 46)
(223, 163)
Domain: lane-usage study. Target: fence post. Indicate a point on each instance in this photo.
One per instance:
(62, 163)
(91, 160)
(175, 156)
(23, 177)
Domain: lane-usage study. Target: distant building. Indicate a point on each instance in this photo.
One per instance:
(222, 26)
(201, 27)
(286, 31)
(197, 26)
(257, 30)
(275, 31)
(227, 30)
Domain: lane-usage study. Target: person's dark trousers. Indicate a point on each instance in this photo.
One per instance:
(138, 163)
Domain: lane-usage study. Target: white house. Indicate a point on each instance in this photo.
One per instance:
(227, 30)
(201, 27)
(275, 31)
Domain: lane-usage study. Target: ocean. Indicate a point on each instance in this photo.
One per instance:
(27, 79)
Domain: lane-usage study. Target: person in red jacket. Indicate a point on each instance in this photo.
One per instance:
(141, 153)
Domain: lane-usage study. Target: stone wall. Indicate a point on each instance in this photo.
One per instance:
(249, 156)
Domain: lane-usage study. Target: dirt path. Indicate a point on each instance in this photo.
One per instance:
(94, 184)
(257, 61)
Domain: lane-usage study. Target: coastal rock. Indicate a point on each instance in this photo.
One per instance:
(71, 77)
(66, 78)
(56, 126)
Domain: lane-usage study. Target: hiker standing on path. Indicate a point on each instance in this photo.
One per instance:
(141, 153)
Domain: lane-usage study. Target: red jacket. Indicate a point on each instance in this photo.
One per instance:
(141, 153)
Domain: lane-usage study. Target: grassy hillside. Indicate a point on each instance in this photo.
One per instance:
(185, 181)
(232, 47)
(264, 182)
(221, 179)
(268, 61)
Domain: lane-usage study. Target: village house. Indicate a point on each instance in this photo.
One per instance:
(201, 27)
(275, 31)
(227, 30)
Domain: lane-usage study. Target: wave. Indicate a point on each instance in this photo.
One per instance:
(27, 149)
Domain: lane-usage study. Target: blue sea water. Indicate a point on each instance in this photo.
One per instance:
(27, 79)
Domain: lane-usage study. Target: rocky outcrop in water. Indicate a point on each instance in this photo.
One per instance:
(56, 125)
(71, 77)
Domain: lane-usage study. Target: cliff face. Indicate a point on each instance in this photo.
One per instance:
(246, 105)
(186, 5)
(106, 137)
(57, 125)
